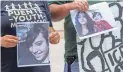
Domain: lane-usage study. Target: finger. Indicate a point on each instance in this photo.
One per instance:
(9, 44)
(86, 2)
(53, 34)
(83, 6)
(54, 42)
(12, 44)
(12, 37)
(79, 6)
(56, 39)
(12, 40)
(51, 41)
(86, 5)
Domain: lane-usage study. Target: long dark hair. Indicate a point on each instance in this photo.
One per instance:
(90, 23)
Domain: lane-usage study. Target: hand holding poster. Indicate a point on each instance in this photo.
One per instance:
(33, 46)
(98, 20)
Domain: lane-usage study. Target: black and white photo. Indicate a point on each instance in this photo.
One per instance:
(33, 46)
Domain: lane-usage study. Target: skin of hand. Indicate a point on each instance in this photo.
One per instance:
(59, 12)
(8, 41)
(81, 5)
(54, 36)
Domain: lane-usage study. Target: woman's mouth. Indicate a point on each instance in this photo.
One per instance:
(38, 54)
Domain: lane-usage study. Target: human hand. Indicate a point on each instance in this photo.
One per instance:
(9, 41)
(80, 5)
(54, 37)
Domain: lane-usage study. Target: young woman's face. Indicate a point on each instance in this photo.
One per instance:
(97, 17)
(82, 19)
(39, 47)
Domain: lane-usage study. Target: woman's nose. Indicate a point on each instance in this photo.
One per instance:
(33, 50)
(82, 19)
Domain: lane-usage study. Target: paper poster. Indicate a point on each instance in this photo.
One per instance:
(97, 20)
(33, 46)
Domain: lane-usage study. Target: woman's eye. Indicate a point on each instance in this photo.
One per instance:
(38, 43)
